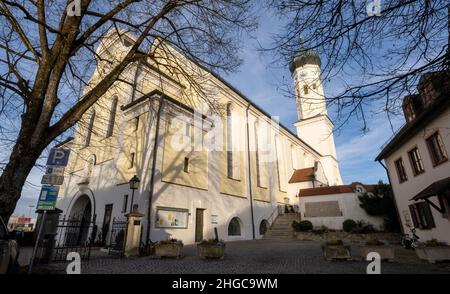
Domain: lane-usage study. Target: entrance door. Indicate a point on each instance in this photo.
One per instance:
(106, 222)
(199, 224)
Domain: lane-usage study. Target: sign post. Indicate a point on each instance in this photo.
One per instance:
(38, 239)
(54, 175)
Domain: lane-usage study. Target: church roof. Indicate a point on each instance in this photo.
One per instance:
(302, 175)
(303, 57)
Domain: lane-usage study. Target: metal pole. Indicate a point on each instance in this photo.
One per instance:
(30, 267)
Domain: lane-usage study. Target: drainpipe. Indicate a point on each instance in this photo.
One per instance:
(250, 173)
(393, 195)
(152, 176)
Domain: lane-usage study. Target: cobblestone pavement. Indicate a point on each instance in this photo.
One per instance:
(257, 257)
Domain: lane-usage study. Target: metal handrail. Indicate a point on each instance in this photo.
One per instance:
(274, 215)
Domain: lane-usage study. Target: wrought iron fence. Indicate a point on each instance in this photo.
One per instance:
(118, 235)
(74, 234)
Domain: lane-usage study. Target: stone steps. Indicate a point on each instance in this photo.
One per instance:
(281, 228)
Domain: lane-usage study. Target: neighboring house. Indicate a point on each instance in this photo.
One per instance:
(21, 223)
(331, 206)
(417, 160)
(186, 193)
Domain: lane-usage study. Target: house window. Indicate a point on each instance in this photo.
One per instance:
(421, 216)
(124, 203)
(436, 148)
(401, 172)
(416, 161)
(234, 227)
(87, 142)
(186, 165)
(132, 155)
(229, 142)
(112, 117)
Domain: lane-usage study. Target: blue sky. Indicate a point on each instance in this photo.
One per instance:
(259, 79)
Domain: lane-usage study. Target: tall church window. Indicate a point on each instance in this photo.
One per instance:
(229, 142)
(257, 155)
(112, 117)
(277, 161)
(87, 141)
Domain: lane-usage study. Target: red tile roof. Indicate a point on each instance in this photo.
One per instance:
(333, 190)
(302, 175)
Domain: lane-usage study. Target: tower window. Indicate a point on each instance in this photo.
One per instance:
(314, 86)
(305, 90)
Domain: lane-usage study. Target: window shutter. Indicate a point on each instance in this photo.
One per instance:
(414, 215)
(428, 215)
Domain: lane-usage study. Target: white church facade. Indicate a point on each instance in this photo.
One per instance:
(203, 163)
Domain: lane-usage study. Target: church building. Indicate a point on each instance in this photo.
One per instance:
(205, 156)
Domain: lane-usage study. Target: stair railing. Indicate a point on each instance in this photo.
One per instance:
(273, 216)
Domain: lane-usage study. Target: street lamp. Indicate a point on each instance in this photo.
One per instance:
(134, 184)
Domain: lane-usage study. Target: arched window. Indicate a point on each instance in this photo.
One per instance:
(305, 90)
(112, 117)
(314, 86)
(89, 129)
(263, 227)
(229, 142)
(234, 227)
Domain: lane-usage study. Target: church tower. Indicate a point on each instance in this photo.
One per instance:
(313, 125)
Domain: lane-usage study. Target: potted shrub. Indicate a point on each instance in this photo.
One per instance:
(348, 225)
(211, 248)
(433, 251)
(374, 245)
(336, 250)
(302, 226)
(169, 248)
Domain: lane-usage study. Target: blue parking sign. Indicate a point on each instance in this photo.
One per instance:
(58, 157)
(47, 197)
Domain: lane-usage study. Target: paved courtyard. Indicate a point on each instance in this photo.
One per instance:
(256, 257)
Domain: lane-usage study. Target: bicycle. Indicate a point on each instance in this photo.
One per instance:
(408, 242)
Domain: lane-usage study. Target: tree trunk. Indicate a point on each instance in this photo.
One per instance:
(15, 173)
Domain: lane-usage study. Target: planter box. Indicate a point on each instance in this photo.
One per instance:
(172, 250)
(212, 251)
(434, 254)
(336, 252)
(386, 252)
